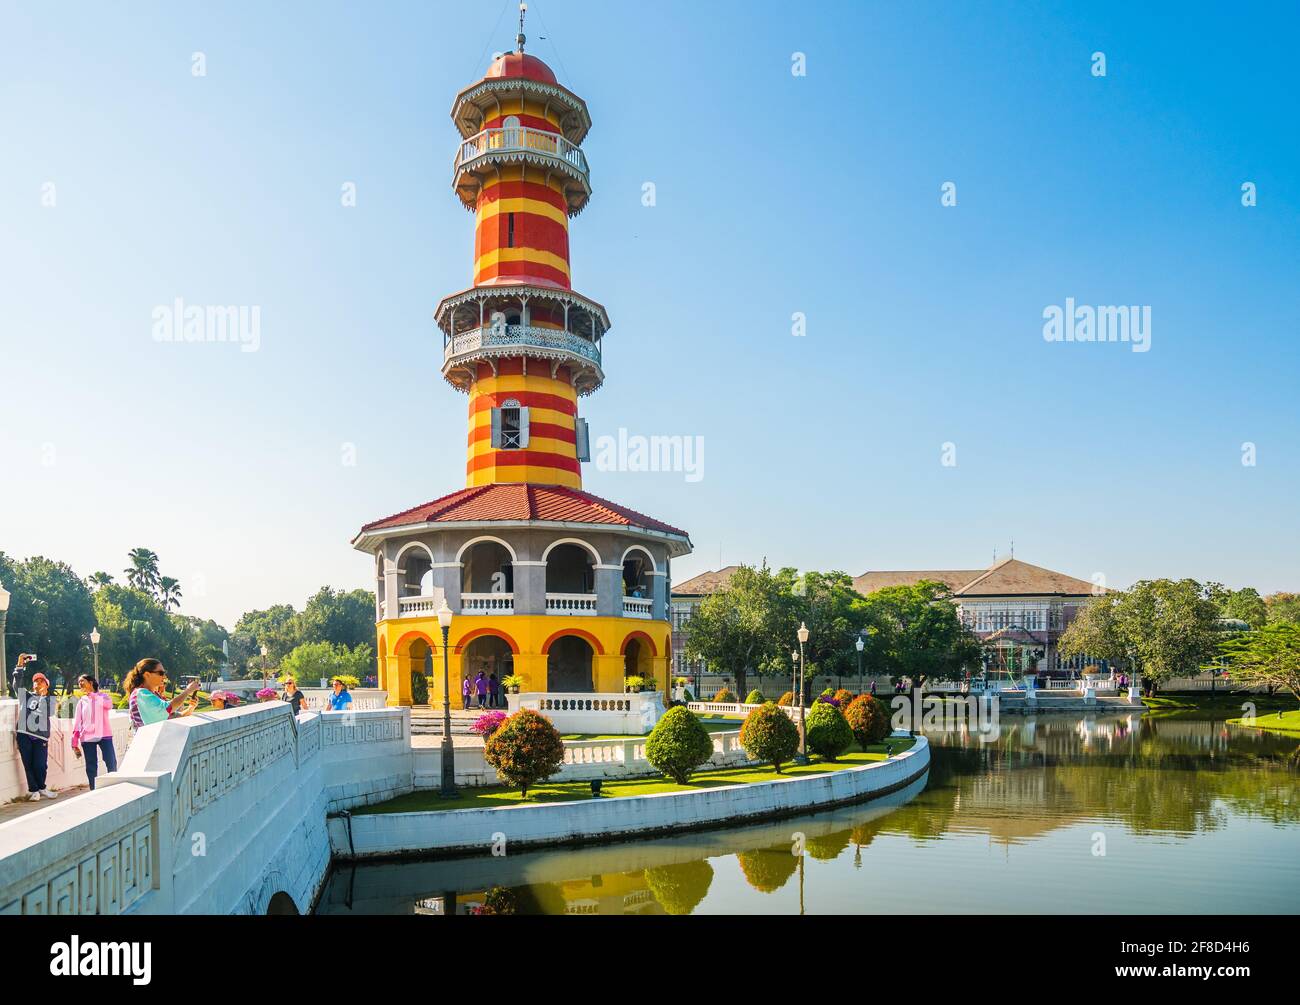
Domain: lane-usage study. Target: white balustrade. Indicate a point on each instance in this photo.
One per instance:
(571, 603)
(635, 607)
(487, 603)
(490, 336)
(417, 607)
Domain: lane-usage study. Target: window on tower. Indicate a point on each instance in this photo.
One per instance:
(510, 426)
(510, 230)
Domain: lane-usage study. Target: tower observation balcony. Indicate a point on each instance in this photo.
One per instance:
(483, 154)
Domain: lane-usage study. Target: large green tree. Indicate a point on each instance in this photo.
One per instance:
(1164, 628)
(746, 625)
(50, 614)
(1269, 657)
(917, 634)
(345, 618)
(1283, 607)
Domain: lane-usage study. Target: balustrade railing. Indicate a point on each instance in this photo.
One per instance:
(487, 603)
(510, 139)
(489, 336)
(636, 607)
(571, 603)
(416, 607)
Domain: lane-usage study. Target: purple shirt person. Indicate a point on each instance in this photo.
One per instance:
(481, 688)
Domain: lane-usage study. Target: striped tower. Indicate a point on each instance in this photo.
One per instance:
(520, 341)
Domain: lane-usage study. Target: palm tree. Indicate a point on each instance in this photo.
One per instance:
(142, 573)
(169, 593)
(99, 580)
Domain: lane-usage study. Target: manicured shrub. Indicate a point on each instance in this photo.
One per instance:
(768, 869)
(687, 696)
(726, 695)
(786, 699)
(828, 731)
(679, 888)
(755, 697)
(525, 749)
(868, 718)
(842, 698)
(678, 744)
(419, 688)
(348, 680)
(768, 735)
(488, 723)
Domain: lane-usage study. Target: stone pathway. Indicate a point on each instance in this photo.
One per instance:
(22, 806)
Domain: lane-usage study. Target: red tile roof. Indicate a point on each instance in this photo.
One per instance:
(519, 501)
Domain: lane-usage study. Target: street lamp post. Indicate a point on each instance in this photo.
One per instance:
(264, 651)
(94, 646)
(4, 616)
(448, 788)
(859, 646)
(802, 756)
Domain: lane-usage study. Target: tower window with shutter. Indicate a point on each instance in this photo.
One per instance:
(510, 426)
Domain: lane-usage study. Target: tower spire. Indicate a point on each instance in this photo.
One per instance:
(520, 39)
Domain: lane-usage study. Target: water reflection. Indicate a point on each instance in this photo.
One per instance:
(1006, 821)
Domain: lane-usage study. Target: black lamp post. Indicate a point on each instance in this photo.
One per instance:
(448, 788)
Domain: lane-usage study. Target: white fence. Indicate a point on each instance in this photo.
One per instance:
(65, 770)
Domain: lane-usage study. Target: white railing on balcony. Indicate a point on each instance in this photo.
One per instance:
(417, 607)
(505, 336)
(635, 607)
(571, 603)
(487, 603)
(521, 138)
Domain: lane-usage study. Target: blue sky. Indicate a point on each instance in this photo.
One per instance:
(775, 194)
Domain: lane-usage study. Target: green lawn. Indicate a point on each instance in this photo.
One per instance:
(1196, 705)
(1277, 722)
(497, 796)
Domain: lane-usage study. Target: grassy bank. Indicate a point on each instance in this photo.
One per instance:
(1287, 722)
(1198, 704)
(497, 796)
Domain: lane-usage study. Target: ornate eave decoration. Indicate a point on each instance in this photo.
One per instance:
(576, 122)
(476, 293)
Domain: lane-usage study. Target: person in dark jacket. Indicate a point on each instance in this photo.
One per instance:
(36, 712)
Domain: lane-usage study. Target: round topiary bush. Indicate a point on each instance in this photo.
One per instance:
(755, 697)
(419, 688)
(786, 699)
(842, 698)
(828, 731)
(679, 888)
(868, 718)
(767, 734)
(525, 749)
(726, 695)
(678, 744)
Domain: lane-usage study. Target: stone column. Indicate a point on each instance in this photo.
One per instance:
(609, 592)
(392, 590)
(530, 590)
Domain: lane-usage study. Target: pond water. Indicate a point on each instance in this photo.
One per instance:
(1053, 814)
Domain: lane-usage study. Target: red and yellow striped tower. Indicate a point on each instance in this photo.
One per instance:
(520, 341)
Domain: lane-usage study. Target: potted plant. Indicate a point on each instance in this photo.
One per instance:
(633, 684)
(513, 683)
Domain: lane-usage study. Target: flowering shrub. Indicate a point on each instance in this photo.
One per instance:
(525, 749)
(726, 695)
(768, 735)
(266, 694)
(868, 718)
(755, 697)
(786, 699)
(826, 699)
(678, 744)
(842, 698)
(488, 723)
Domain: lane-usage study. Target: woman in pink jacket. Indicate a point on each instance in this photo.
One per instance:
(91, 729)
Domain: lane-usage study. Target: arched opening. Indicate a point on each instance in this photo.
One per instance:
(281, 903)
(568, 665)
(486, 655)
(420, 665)
(569, 569)
(637, 568)
(417, 572)
(487, 578)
